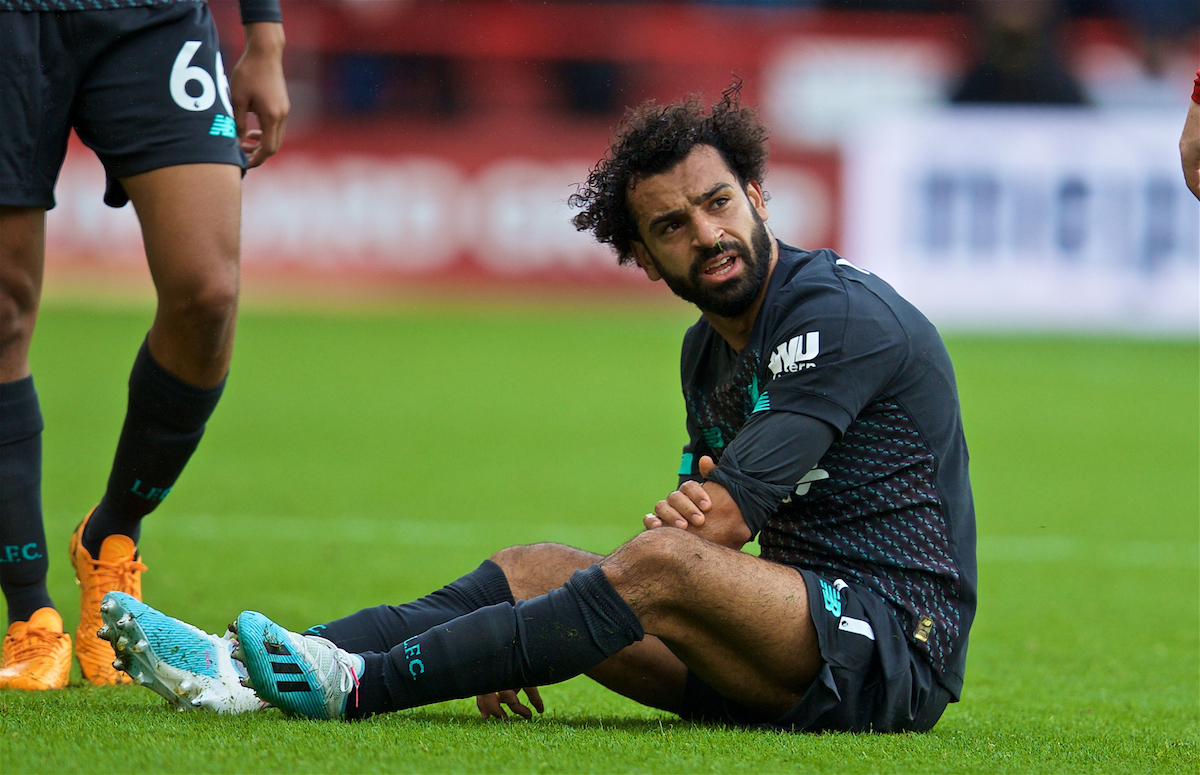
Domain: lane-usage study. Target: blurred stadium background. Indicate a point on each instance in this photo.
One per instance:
(1005, 163)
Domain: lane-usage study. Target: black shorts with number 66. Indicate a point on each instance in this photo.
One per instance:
(144, 88)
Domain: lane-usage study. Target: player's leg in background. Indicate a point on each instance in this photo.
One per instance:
(191, 223)
(190, 216)
(23, 554)
(36, 651)
(175, 154)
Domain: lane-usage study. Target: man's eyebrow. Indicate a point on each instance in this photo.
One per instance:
(673, 214)
(709, 194)
(667, 216)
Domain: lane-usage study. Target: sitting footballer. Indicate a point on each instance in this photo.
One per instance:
(822, 418)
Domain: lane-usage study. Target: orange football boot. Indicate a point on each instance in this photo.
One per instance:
(118, 569)
(37, 653)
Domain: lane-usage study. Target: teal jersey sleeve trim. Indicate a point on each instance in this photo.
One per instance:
(685, 465)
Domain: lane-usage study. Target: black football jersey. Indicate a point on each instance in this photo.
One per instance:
(889, 504)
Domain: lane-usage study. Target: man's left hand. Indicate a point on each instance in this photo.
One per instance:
(256, 86)
(492, 705)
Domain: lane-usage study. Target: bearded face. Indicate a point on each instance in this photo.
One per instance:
(732, 297)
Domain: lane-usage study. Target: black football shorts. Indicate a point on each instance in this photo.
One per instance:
(870, 681)
(143, 87)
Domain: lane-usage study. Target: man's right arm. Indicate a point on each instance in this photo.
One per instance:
(256, 84)
(767, 460)
(758, 471)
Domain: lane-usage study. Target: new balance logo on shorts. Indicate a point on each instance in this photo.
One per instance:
(833, 601)
(831, 596)
(222, 126)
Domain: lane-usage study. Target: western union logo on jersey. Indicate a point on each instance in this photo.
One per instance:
(795, 354)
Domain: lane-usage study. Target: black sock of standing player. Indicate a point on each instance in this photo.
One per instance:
(383, 627)
(23, 556)
(163, 424)
(534, 642)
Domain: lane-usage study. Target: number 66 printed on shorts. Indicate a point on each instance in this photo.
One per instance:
(183, 72)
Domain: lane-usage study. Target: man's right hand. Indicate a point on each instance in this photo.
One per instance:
(683, 508)
(256, 86)
(707, 509)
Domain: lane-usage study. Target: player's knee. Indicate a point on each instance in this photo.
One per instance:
(659, 547)
(205, 304)
(514, 556)
(655, 561)
(18, 307)
(218, 299)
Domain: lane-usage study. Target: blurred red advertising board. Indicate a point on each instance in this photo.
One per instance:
(483, 192)
(415, 210)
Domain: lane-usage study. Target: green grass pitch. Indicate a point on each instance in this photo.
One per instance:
(370, 455)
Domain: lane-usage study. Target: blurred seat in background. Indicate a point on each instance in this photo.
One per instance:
(1019, 58)
(1155, 69)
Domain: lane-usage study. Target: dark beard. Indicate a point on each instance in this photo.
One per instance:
(732, 298)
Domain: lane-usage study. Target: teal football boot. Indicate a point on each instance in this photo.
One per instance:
(302, 675)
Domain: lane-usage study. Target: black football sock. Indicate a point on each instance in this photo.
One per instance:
(163, 424)
(383, 627)
(23, 555)
(534, 642)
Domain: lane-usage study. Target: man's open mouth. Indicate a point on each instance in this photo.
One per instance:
(722, 265)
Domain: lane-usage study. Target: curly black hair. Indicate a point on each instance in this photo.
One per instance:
(654, 138)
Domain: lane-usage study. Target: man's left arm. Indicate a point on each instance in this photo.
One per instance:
(830, 356)
(758, 471)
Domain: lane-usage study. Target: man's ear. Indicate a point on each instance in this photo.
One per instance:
(757, 199)
(642, 256)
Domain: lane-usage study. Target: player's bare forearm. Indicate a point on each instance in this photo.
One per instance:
(265, 37)
(723, 522)
(1189, 149)
(257, 86)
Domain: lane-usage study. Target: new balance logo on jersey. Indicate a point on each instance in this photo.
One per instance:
(795, 354)
(223, 126)
(806, 482)
(713, 437)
